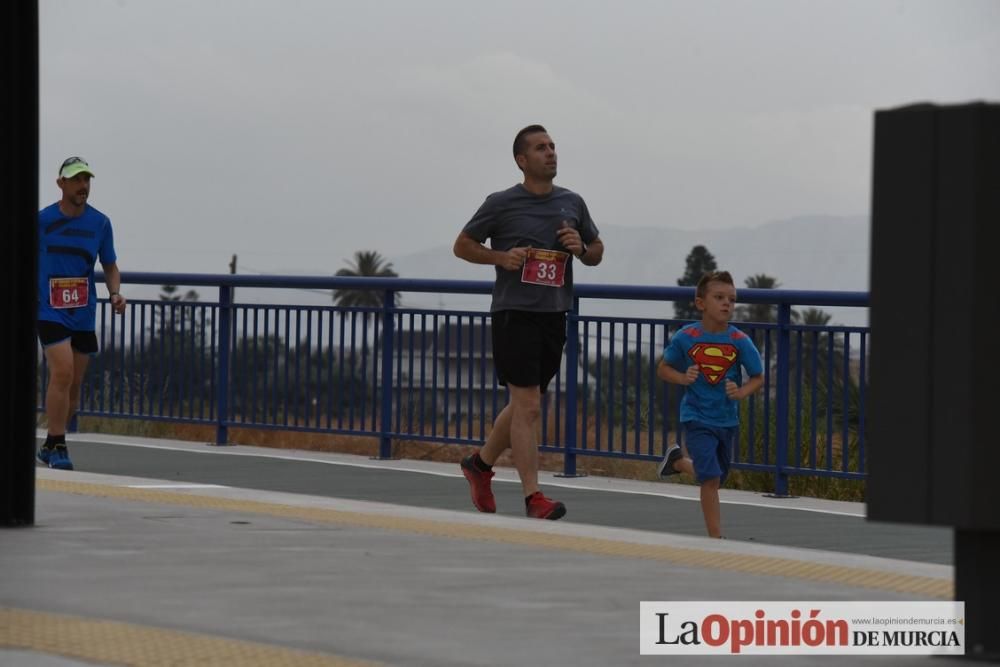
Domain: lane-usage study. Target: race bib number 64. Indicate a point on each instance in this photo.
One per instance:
(68, 292)
(544, 267)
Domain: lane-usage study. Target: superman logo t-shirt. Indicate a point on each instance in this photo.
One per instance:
(720, 357)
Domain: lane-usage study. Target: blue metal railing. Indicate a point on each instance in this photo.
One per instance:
(398, 373)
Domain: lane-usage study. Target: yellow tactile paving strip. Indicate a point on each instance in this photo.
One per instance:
(117, 643)
(701, 558)
(110, 642)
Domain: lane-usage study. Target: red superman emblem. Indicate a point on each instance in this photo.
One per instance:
(713, 359)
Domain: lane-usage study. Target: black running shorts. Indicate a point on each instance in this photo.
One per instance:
(527, 347)
(50, 333)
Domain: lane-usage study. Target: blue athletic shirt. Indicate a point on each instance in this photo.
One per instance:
(720, 357)
(68, 248)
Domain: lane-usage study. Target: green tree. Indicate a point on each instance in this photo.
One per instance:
(178, 349)
(699, 262)
(366, 264)
(169, 293)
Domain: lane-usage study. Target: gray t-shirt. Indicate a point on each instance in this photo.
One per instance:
(516, 217)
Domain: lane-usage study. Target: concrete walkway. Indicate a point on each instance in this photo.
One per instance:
(159, 552)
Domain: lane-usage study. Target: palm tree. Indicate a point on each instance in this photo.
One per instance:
(759, 312)
(821, 357)
(812, 317)
(366, 264)
(809, 344)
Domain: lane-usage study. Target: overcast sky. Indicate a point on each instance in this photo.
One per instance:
(295, 132)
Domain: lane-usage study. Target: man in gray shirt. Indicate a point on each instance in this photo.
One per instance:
(535, 229)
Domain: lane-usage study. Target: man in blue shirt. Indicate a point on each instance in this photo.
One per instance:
(708, 358)
(72, 236)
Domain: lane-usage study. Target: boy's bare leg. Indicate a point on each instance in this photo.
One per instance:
(684, 465)
(710, 507)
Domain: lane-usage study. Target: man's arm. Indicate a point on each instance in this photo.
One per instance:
(471, 250)
(113, 279)
(594, 254)
(570, 239)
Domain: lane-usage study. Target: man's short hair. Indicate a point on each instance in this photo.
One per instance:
(712, 277)
(520, 143)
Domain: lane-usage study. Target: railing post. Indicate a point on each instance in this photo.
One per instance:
(388, 330)
(782, 398)
(572, 363)
(222, 370)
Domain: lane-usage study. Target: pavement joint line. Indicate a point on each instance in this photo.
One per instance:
(118, 643)
(934, 587)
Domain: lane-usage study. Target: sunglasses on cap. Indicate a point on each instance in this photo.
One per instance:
(71, 160)
(73, 166)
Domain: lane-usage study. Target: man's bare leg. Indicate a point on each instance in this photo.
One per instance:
(80, 361)
(59, 358)
(498, 441)
(525, 429)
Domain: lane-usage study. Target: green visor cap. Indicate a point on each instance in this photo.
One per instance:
(74, 166)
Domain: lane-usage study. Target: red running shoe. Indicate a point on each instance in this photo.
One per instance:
(479, 484)
(540, 507)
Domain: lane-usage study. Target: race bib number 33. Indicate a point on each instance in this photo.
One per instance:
(544, 267)
(68, 292)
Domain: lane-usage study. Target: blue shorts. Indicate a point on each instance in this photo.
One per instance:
(711, 449)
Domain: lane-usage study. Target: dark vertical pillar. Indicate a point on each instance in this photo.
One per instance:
(19, 82)
(932, 426)
(977, 583)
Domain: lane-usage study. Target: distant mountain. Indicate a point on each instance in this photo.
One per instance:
(810, 252)
(818, 252)
(814, 252)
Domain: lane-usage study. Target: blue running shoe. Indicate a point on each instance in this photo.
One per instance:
(45, 454)
(59, 459)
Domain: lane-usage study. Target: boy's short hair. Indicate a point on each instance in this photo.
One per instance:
(712, 277)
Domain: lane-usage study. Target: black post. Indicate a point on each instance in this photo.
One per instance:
(977, 583)
(933, 458)
(19, 21)
(222, 390)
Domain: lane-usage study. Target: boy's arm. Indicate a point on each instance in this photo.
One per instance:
(668, 373)
(737, 393)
